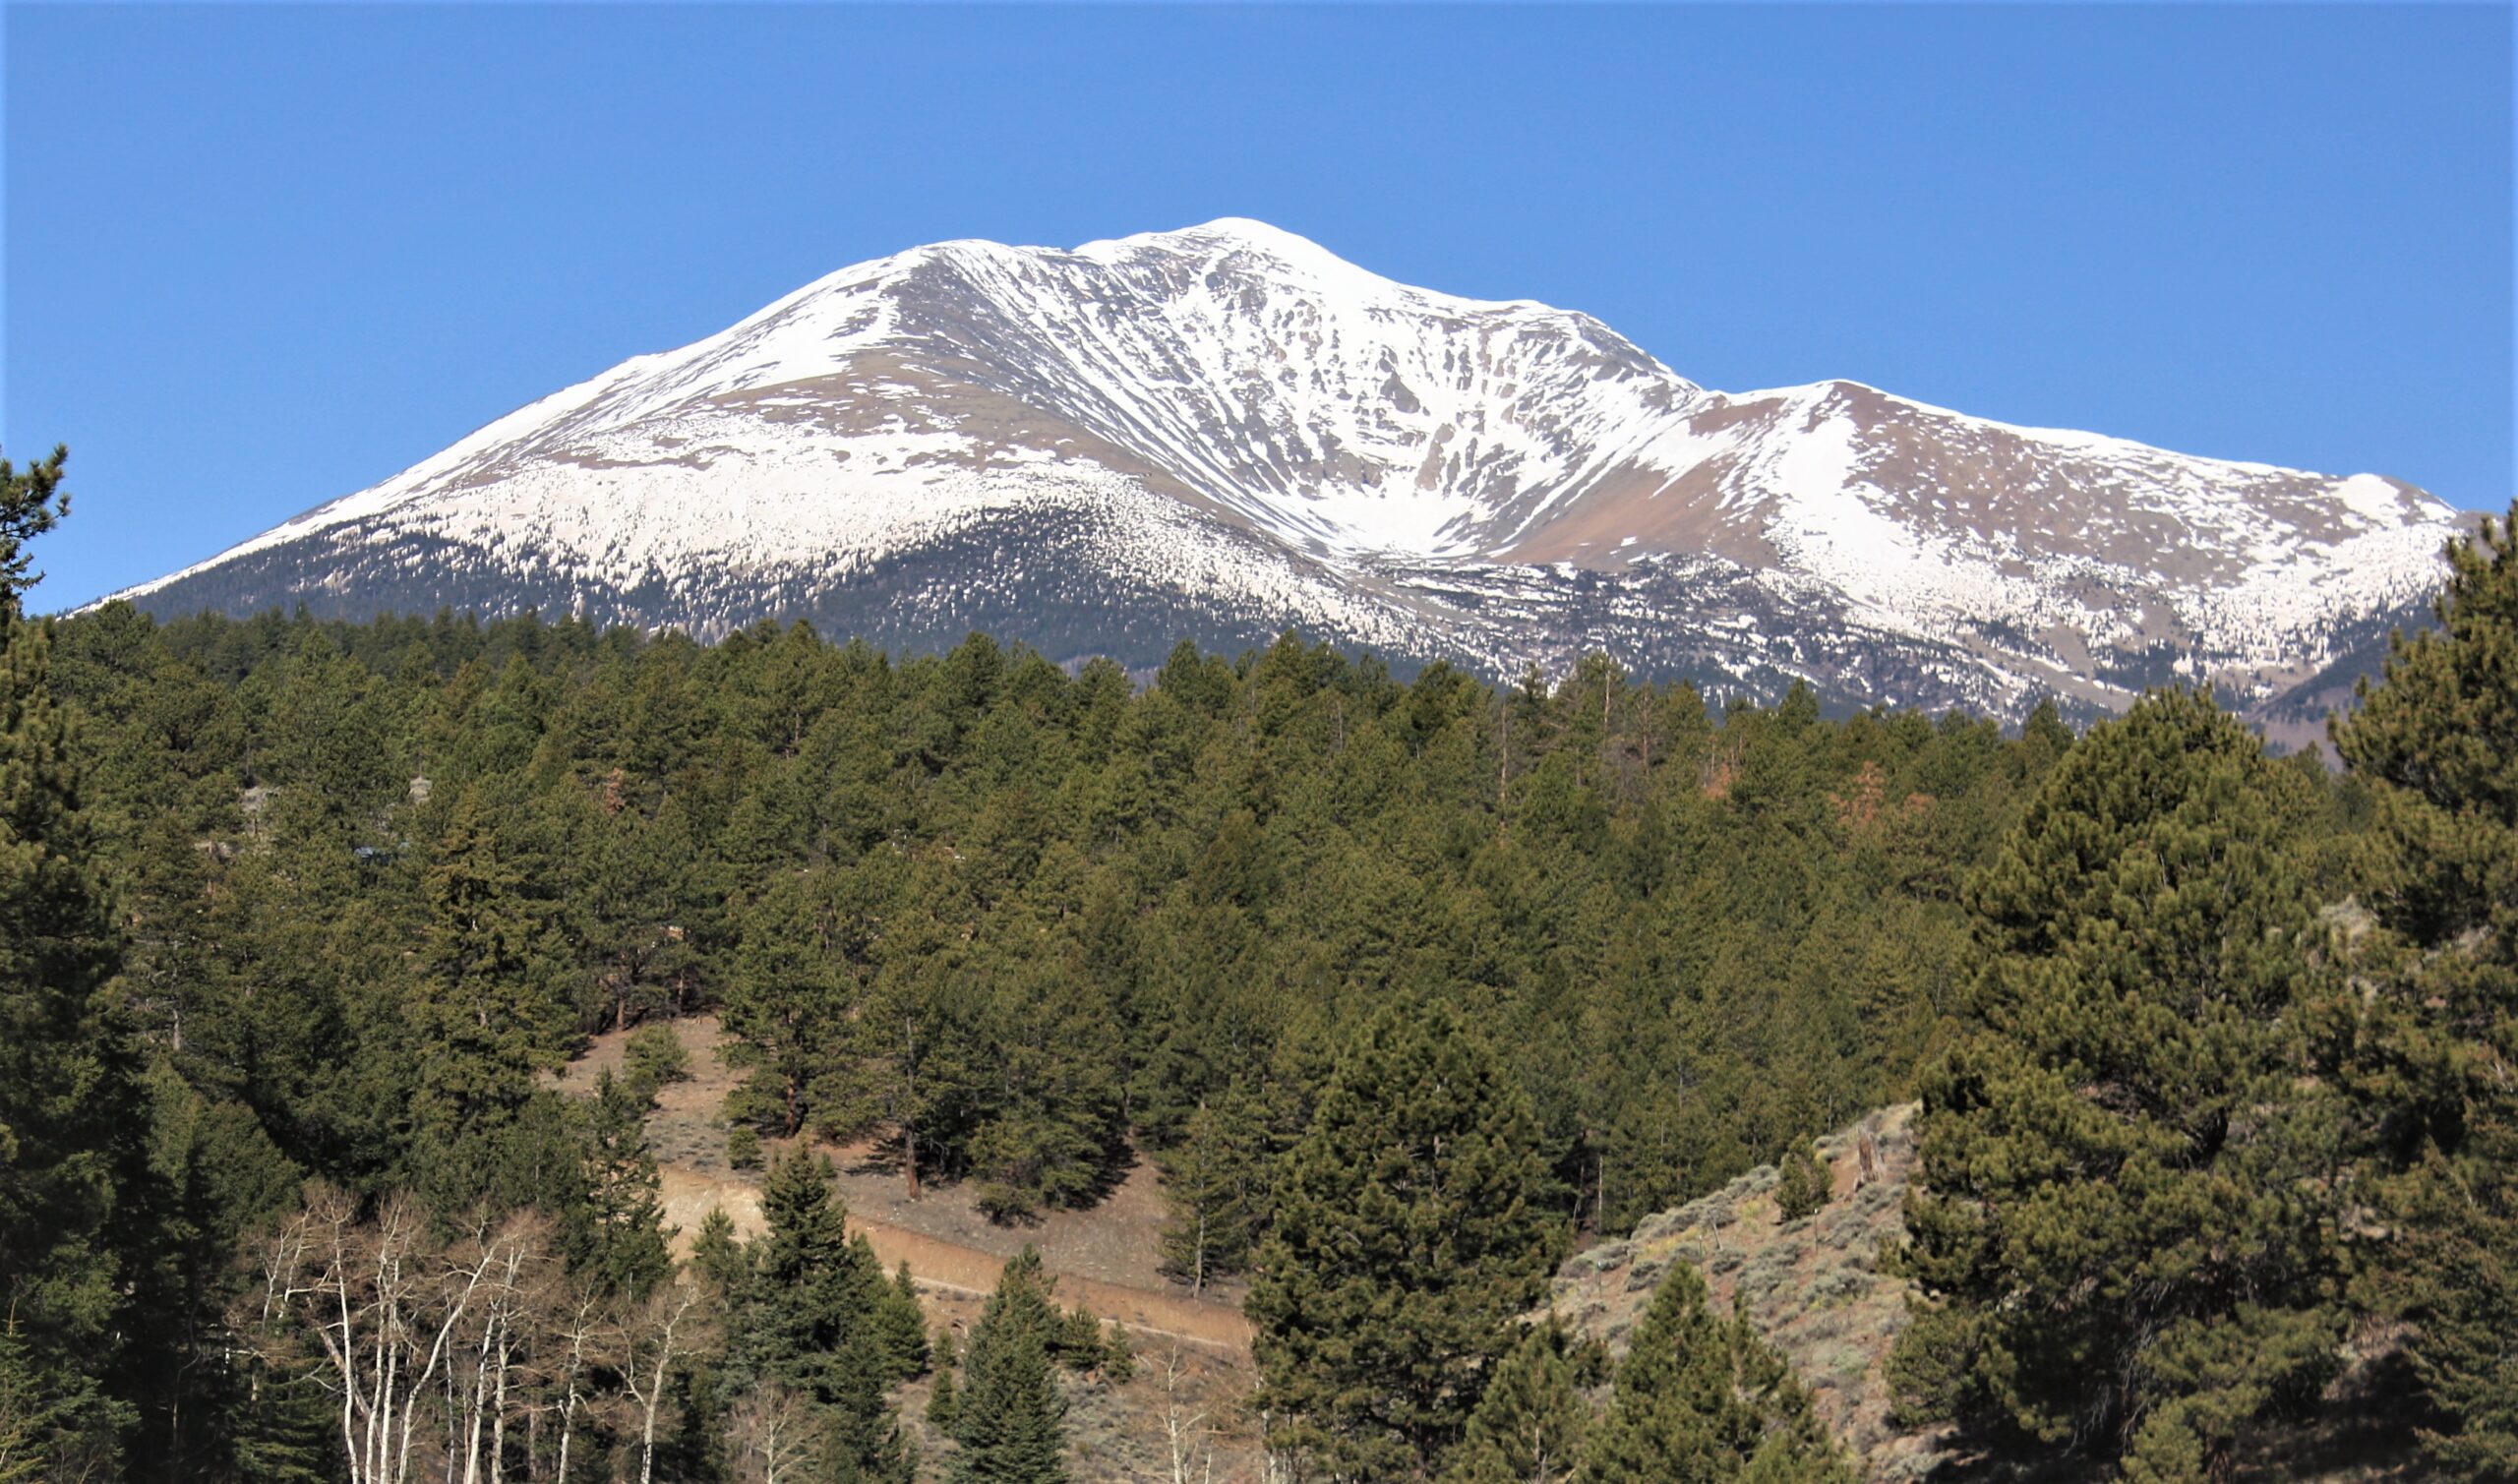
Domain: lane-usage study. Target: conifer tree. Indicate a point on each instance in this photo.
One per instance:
(1802, 1184)
(1009, 1416)
(32, 503)
(1118, 1362)
(1413, 1229)
(2127, 1188)
(1212, 1183)
(903, 1324)
(719, 1257)
(1528, 1427)
(943, 1402)
(785, 1002)
(808, 1318)
(904, 1071)
(73, 1172)
(2431, 1055)
(1700, 1400)
(1048, 1097)
(652, 1059)
(616, 1234)
(27, 1414)
(484, 1018)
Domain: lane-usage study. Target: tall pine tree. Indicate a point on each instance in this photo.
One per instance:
(1700, 1400)
(1010, 1418)
(808, 1317)
(1528, 1427)
(2128, 1193)
(1212, 1182)
(2434, 1053)
(1415, 1226)
(485, 1017)
(72, 1117)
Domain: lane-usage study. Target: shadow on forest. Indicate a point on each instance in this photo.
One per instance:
(888, 1157)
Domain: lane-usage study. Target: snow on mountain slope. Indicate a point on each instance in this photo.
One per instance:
(1227, 430)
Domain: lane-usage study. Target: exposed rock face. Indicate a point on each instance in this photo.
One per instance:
(1223, 432)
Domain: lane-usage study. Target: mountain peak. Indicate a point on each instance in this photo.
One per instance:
(1225, 430)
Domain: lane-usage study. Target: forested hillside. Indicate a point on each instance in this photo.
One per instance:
(1408, 988)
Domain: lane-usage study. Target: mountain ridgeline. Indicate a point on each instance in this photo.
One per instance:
(1227, 431)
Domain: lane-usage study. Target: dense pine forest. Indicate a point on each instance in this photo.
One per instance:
(1408, 988)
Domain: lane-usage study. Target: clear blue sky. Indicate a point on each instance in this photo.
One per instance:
(259, 256)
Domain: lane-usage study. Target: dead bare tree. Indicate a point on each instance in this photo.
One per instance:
(1191, 1439)
(398, 1328)
(774, 1432)
(579, 1342)
(672, 1325)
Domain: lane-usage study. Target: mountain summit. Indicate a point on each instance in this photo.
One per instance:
(1227, 430)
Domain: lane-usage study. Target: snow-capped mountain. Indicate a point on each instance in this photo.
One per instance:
(1225, 430)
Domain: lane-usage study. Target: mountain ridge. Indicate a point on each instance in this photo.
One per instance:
(1227, 431)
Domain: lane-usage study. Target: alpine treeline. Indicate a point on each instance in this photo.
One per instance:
(1405, 985)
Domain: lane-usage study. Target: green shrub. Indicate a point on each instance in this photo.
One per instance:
(653, 1058)
(1803, 1185)
(742, 1146)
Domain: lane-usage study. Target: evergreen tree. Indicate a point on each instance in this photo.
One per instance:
(808, 1316)
(2431, 1052)
(616, 1234)
(721, 1259)
(943, 1402)
(907, 1070)
(652, 1059)
(29, 1416)
(1213, 1184)
(625, 902)
(483, 1021)
(1413, 1230)
(2127, 1188)
(1118, 1363)
(1699, 1400)
(32, 503)
(1528, 1427)
(1050, 1117)
(787, 1002)
(1009, 1416)
(1802, 1184)
(903, 1322)
(73, 1171)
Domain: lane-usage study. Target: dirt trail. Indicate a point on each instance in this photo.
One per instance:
(1088, 1252)
(690, 1193)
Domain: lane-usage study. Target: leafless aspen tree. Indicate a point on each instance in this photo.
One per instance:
(775, 1432)
(580, 1340)
(397, 1329)
(381, 1316)
(670, 1326)
(1192, 1439)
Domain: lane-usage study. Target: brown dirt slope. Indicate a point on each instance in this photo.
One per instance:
(1183, 1412)
(1105, 1258)
(1815, 1288)
(1812, 1287)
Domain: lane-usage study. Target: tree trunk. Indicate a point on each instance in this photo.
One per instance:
(909, 1082)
